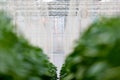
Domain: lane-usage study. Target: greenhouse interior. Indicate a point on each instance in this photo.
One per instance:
(59, 39)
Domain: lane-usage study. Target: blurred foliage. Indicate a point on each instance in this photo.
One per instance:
(19, 60)
(97, 53)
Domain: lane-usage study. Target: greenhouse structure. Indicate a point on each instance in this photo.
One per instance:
(56, 25)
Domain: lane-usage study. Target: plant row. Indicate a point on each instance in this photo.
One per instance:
(19, 60)
(97, 53)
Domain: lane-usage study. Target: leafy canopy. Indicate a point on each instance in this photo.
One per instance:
(97, 53)
(19, 60)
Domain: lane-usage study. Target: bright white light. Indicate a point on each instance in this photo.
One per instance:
(105, 0)
(48, 0)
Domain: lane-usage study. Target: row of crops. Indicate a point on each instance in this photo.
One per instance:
(19, 60)
(97, 53)
(95, 57)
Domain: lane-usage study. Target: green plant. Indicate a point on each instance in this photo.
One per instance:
(19, 60)
(97, 53)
